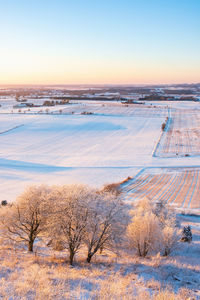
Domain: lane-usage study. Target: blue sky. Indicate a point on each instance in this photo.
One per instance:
(99, 41)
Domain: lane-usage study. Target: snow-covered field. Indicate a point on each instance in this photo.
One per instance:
(179, 187)
(113, 142)
(182, 135)
(94, 149)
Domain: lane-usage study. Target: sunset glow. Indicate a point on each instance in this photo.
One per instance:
(68, 42)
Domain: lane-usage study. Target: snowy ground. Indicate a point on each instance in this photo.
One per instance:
(114, 142)
(94, 149)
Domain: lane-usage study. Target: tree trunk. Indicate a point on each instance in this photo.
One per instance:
(30, 246)
(89, 257)
(166, 252)
(71, 257)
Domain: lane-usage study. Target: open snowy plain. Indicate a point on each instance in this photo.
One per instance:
(65, 145)
(98, 143)
(112, 143)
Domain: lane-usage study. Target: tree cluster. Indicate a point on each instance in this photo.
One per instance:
(74, 216)
(71, 216)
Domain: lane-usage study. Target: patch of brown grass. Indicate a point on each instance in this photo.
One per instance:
(47, 275)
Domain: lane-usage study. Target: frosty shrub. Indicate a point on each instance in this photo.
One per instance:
(144, 233)
(168, 223)
(153, 227)
(56, 244)
(25, 219)
(170, 239)
(113, 188)
(165, 214)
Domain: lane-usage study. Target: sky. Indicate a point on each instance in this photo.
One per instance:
(99, 41)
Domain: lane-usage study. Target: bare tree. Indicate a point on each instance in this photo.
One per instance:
(106, 223)
(81, 215)
(24, 220)
(69, 214)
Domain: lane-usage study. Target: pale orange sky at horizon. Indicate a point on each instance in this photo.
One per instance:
(87, 73)
(26, 68)
(100, 42)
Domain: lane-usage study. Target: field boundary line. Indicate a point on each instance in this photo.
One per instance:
(167, 127)
(13, 128)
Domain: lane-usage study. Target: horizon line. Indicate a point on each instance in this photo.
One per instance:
(97, 84)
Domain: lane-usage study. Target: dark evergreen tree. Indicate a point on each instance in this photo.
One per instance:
(186, 234)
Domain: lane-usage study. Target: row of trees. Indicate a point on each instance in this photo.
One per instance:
(73, 216)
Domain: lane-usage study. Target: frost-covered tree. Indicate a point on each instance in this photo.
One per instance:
(84, 216)
(69, 215)
(165, 213)
(168, 223)
(24, 220)
(153, 228)
(106, 223)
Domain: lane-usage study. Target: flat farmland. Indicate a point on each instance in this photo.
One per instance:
(79, 140)
(96, 149)
(182, 137)
(96, 143)
(179, 187)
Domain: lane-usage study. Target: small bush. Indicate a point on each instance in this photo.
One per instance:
(113, 188)
(58, 245)
(4, 202)
(127, 179)
(163, 126)
(87, 113)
